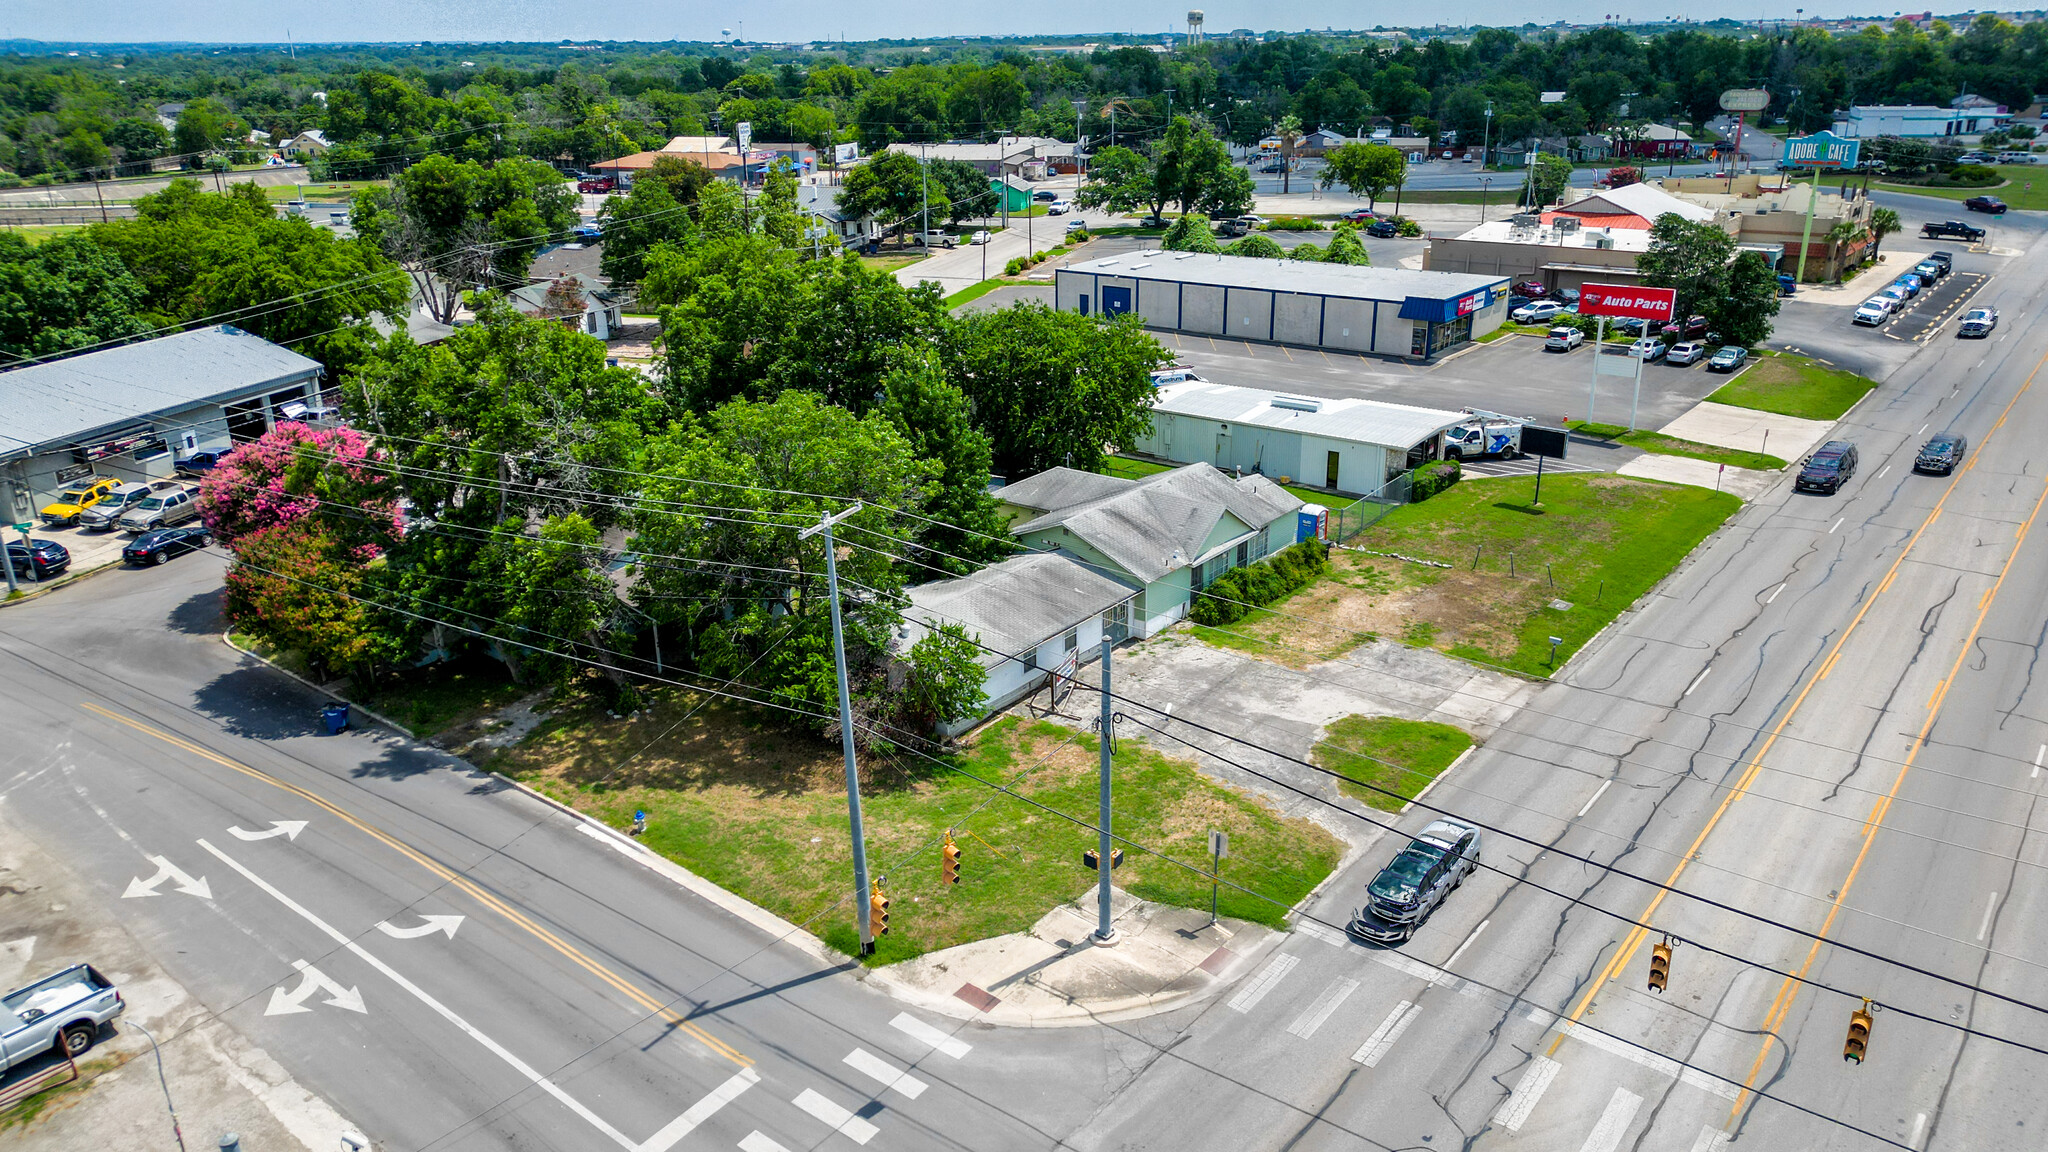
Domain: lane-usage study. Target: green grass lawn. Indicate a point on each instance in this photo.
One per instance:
(1794, 386)
(1499, 195)
(1132, 468)
(37, 233)
(890, 260)
(975, 292)
(1401, 756)
(335, 190)
(760, 810)
(1672, 446)
(2026, 187)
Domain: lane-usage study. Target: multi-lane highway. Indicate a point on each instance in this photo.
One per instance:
(1826, 723)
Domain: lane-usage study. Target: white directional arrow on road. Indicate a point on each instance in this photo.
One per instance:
(289, 829)
(430, 925)
(313, 980)
(165, 870)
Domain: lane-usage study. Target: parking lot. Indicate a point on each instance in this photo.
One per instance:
(1924, 316)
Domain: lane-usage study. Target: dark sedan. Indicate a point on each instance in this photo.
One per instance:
(1991, 204)
(198, 464)
(1384, 229)
(1940, 455)
(160, 544)
(37, 559)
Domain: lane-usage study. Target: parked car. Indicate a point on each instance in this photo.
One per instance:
(2018, 158)
(1874, 311)
(1568, 295)
(66, 1009)
(1359, 216)
(1563, 340)
(1537, 312)
(1940, 455)
(37, 559)
(1383, 229)
(1045, 196)
(1058, 208)
(1685, 354)
(1951, 229)
(1415, 882)
(1896, 293)
(112, 507)
(1632, 326)
(72, 502)
(1533, 289)
(1945, 258)
(1232, 227)
(588, 233)
(199, 463)
(1787, 284)
(1177, 374)
(1828, 468)
(597, 184)
(160, 544)
(1515, 302)
(1695, 326)
(1728, 359)
(1077, 225)
(1978, 322)
(934, 239)
(1991, 204)
(160, 510)
(1974, 158)
(1929, 271)
(979, 237)
(1648, 348)
(1910, 285)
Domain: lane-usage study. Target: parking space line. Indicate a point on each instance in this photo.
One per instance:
(1249, 996)
(1696, 682)
(1514, 1111)
(1613, 1123)
(888, 1075)
(1837, 524)
(1319, 1012)
(836, 1118)
(2037, 762)
(1382, 1039)
(1604, 786)
(1990, 908)
(920, 1031)
(1775, 591)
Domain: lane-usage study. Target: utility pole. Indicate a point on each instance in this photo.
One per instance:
(924, 192)
(1105, 855)
(861, 889)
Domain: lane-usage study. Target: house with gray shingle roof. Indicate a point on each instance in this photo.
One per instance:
(1168, 535)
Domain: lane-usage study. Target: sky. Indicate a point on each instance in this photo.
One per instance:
(242, 21)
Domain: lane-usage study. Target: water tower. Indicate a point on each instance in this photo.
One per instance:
(1194, 25)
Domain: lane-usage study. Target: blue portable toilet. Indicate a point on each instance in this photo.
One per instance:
(1312, 523)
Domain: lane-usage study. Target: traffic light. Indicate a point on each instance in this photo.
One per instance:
(878, 911)
(949, 868)
(1660, 965)
(1859, 1033)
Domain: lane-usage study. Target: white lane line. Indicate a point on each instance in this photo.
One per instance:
(1775, 591)
(1919, 1126)
(1254, 991)
(1696, 680)
(888, 1075)
(496, 1049)
(702, 1110)
(1656, 1061)
(1599, 792)
(1382, 1039)
(1711, 1139)
(836, 1118)
(1613, 1123)
(1838, 524)
(920, 1031)
(1527, 1091)
(755, 1142)
(1445, 976)
(1883, 470)
(2037, 762)
(1989, 908)
(1923, 428)
(1306, 1024)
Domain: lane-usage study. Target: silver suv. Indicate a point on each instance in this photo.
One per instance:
(108, 512)
(1409, 888)
(161, 509)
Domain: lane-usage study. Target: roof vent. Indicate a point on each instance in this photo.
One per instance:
(1187, 256)
(1146, 264)
(1298, 403)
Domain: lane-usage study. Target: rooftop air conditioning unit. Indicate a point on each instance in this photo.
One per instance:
(1526, 219)
(1567, 224)
(1298, 403)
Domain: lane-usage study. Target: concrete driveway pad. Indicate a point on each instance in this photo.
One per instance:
(1726, 426)
(1748, 483)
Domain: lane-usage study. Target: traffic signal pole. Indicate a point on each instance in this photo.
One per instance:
(1105, 932)
(863, 893)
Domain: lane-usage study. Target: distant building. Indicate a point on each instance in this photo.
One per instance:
(1596, 238)
(1968, 115)
(578, 300)
(1031, 157)
(306, 145)
(1657, 142)
(1349, 445)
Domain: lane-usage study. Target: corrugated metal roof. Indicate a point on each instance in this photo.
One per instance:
(67, 400)
(1060, 488)
(1346, 280)
(1016, 605)
(1348, 418)
(1161, 522)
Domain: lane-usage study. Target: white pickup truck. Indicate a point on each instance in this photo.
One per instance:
(67, 1007)
(1486, 434)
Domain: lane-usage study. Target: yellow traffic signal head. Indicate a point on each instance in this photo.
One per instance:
(950, 854)
(878, 912)
(1859, 1034)
(1660, 966)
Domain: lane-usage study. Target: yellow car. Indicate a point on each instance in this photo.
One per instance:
(77, 499)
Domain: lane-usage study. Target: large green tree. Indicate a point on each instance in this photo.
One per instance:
(456, 225)
(894, 190)
(1368, 170)
(66, 294)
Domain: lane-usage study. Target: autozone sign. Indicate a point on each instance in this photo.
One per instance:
(1622, 300)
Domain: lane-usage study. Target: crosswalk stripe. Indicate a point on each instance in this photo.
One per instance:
(875, 1068)
(755, 1142)
(1249, 996)
(1514, 1111)
(1613, 1123)
(919, 1030)
(1382, 1039)
(837, 1118)
(1306, 1024)
(1711, 1139)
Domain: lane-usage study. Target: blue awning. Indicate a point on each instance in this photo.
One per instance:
(1442, 310)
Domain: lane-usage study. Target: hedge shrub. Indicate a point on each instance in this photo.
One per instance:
(1233, 595)
(1431, 479)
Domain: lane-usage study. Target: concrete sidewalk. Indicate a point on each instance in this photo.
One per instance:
(1747, 483)
(1056, 976)
(1726, 426)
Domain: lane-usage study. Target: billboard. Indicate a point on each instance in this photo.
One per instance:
(1538, 440)
(1626, 300)
(1745, 100)
(1822, 150)
(845, 153)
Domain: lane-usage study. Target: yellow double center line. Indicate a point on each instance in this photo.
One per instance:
(582, 959)
(1789, 991)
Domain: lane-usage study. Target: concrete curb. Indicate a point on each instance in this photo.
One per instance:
(63, 581)
(386, 721)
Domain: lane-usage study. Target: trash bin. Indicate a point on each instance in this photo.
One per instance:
(334, 718)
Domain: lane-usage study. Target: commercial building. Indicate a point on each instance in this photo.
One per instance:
(129, 411)
(1029, 157)
(1167, 535)
(1343, 307)
(1967, 115)
(720, 154)
(1348, 445)
(1767, 212)
(1596, 238)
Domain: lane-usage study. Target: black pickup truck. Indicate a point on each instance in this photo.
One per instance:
(1951, 228)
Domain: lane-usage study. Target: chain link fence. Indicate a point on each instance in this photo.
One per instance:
(1354, 518)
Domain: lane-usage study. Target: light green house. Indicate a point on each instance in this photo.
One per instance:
(1167, 535)
(1011, 194)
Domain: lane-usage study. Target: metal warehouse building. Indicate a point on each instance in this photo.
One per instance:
(1387, 311)
(1348, 445)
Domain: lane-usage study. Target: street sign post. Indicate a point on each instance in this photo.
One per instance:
(1219, 847)
(1650, 305)
(1741, 101)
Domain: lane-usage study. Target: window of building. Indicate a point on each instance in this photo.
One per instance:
(1029, 660)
